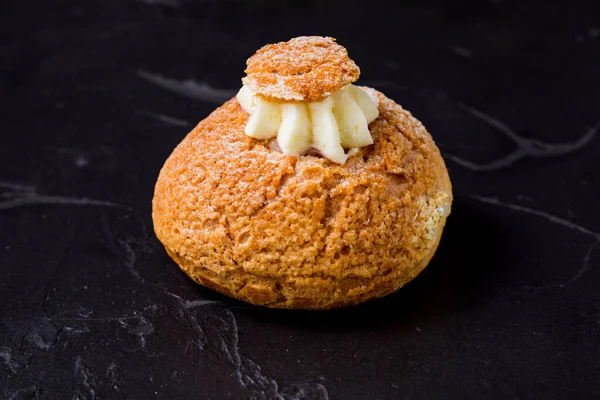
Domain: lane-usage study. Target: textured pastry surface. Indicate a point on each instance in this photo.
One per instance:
(302, 232)
(306, 68)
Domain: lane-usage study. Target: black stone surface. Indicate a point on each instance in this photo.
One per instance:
(94, 97)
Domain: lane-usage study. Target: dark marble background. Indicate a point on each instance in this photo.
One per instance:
(95, 95)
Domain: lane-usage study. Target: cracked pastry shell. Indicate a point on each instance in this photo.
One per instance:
(302, 232)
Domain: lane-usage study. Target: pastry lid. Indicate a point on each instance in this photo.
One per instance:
(306, 68)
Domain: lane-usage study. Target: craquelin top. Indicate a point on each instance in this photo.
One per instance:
(307, 68)
(302, 232)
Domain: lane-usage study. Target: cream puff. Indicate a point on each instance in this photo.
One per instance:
(303, 191)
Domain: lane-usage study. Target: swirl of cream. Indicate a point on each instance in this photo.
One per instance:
(340, 121)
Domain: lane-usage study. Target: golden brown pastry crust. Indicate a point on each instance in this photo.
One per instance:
(302, 232)
(305, 68)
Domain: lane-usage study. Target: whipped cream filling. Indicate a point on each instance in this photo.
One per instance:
(340, 121)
